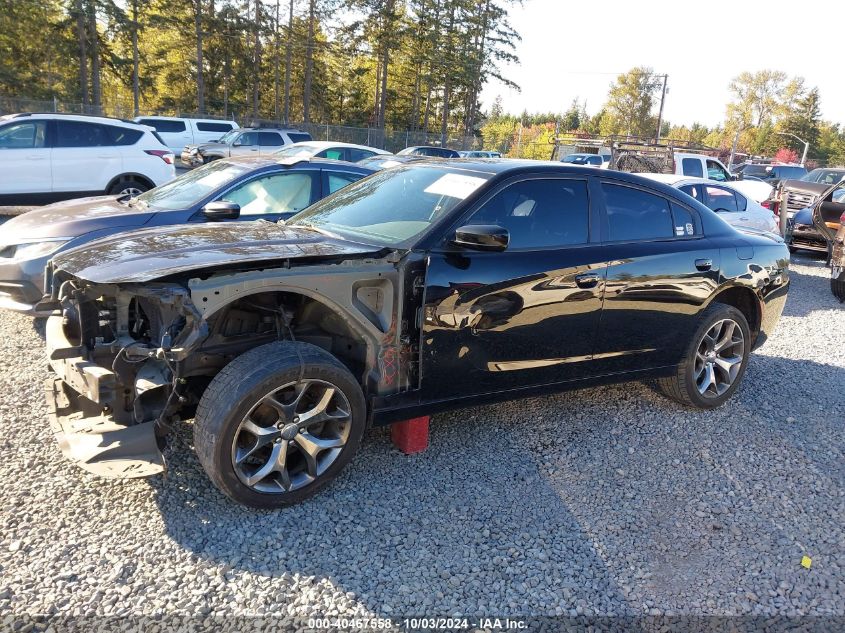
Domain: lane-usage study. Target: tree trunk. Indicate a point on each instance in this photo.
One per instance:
(276, 64)
(386, 38)
(96, 88)
(288, 50)
(136, 82)
(83, 52)
(447, 85)
(309, 62)
(257, 54)
(200, 73)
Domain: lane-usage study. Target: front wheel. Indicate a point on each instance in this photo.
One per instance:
(129, 187)
(714, 362)
(278, 423)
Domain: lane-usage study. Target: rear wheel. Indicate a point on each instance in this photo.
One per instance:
(279, 423)
(129, 187)
(715, 360)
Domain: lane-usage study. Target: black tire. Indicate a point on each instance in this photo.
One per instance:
(682, 386)
(131, 186)
(791, 248)
(837, 283)
(236, 392)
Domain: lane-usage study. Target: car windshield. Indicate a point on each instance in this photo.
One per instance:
(577, 159)
(826, 176)
(298, 150)
(229, 136)
(394, 206)
(191, 187)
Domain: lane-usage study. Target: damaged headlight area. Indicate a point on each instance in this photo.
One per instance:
(117, 352)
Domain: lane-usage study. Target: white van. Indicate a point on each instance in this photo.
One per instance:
(178, 132)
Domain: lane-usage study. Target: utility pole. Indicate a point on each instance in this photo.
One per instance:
(660, 115)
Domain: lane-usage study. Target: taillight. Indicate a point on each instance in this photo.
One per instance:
(842, 219)
(767, 204)
(163, 154)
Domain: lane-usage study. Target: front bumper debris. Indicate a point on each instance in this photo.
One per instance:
(81, 403)
(96, 442)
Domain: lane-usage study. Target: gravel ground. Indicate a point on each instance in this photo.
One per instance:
(605, 501)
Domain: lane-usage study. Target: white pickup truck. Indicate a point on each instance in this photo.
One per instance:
(647, 156)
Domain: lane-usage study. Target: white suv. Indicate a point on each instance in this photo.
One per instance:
(49, 157)
(176, 132)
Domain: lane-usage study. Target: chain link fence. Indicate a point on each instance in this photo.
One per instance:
(389, 139)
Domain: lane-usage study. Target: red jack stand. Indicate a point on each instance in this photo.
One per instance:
(410, 436)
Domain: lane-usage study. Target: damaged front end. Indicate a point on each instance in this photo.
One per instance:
(116, 351)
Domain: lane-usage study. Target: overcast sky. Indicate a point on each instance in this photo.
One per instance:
(576, 48)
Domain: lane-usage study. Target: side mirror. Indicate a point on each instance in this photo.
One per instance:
(237, 143)
(221, 210)
(482, 237)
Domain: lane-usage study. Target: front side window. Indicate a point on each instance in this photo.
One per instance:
(270, 139)
(191, 187)
(29, 135)
(540, 213)
(247, 138)
(633, 214)
(394, 206)
(720, 199)
(277, 193)
(716, 172)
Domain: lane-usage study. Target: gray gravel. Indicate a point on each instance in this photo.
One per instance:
(603, 501)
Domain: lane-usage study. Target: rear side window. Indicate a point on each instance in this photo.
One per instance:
(720, 199)
(270, 139)
(79, 134)
(692, 167)
(205, 126)
(633, 214)
(298, 137)
(540, 213)
(165, 125)
(337, 180)
(356, 154)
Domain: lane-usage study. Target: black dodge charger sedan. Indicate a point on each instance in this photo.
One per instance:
(418, 289)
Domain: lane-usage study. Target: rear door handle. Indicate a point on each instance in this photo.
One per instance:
(587, 280)
(704, 264)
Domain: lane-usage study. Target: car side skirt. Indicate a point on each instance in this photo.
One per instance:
(404, 406)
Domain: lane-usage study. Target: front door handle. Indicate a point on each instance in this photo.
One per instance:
(704, 264)
(587, 280)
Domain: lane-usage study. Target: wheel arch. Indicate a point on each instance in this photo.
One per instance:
(746, 301)
(129, 176)
(311, 316)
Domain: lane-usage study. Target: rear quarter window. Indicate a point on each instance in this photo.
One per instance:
(298, 137)
(692, 167)
(204, 126)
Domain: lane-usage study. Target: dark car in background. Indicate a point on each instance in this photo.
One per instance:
(825, 175)
(425, 287)
(829, 218)
(245, 188)
(430, 151)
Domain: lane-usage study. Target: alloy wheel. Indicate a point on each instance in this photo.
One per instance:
(718, 358)
(130, 191)
(291, 436)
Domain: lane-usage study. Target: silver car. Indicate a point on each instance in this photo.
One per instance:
(246, 141)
